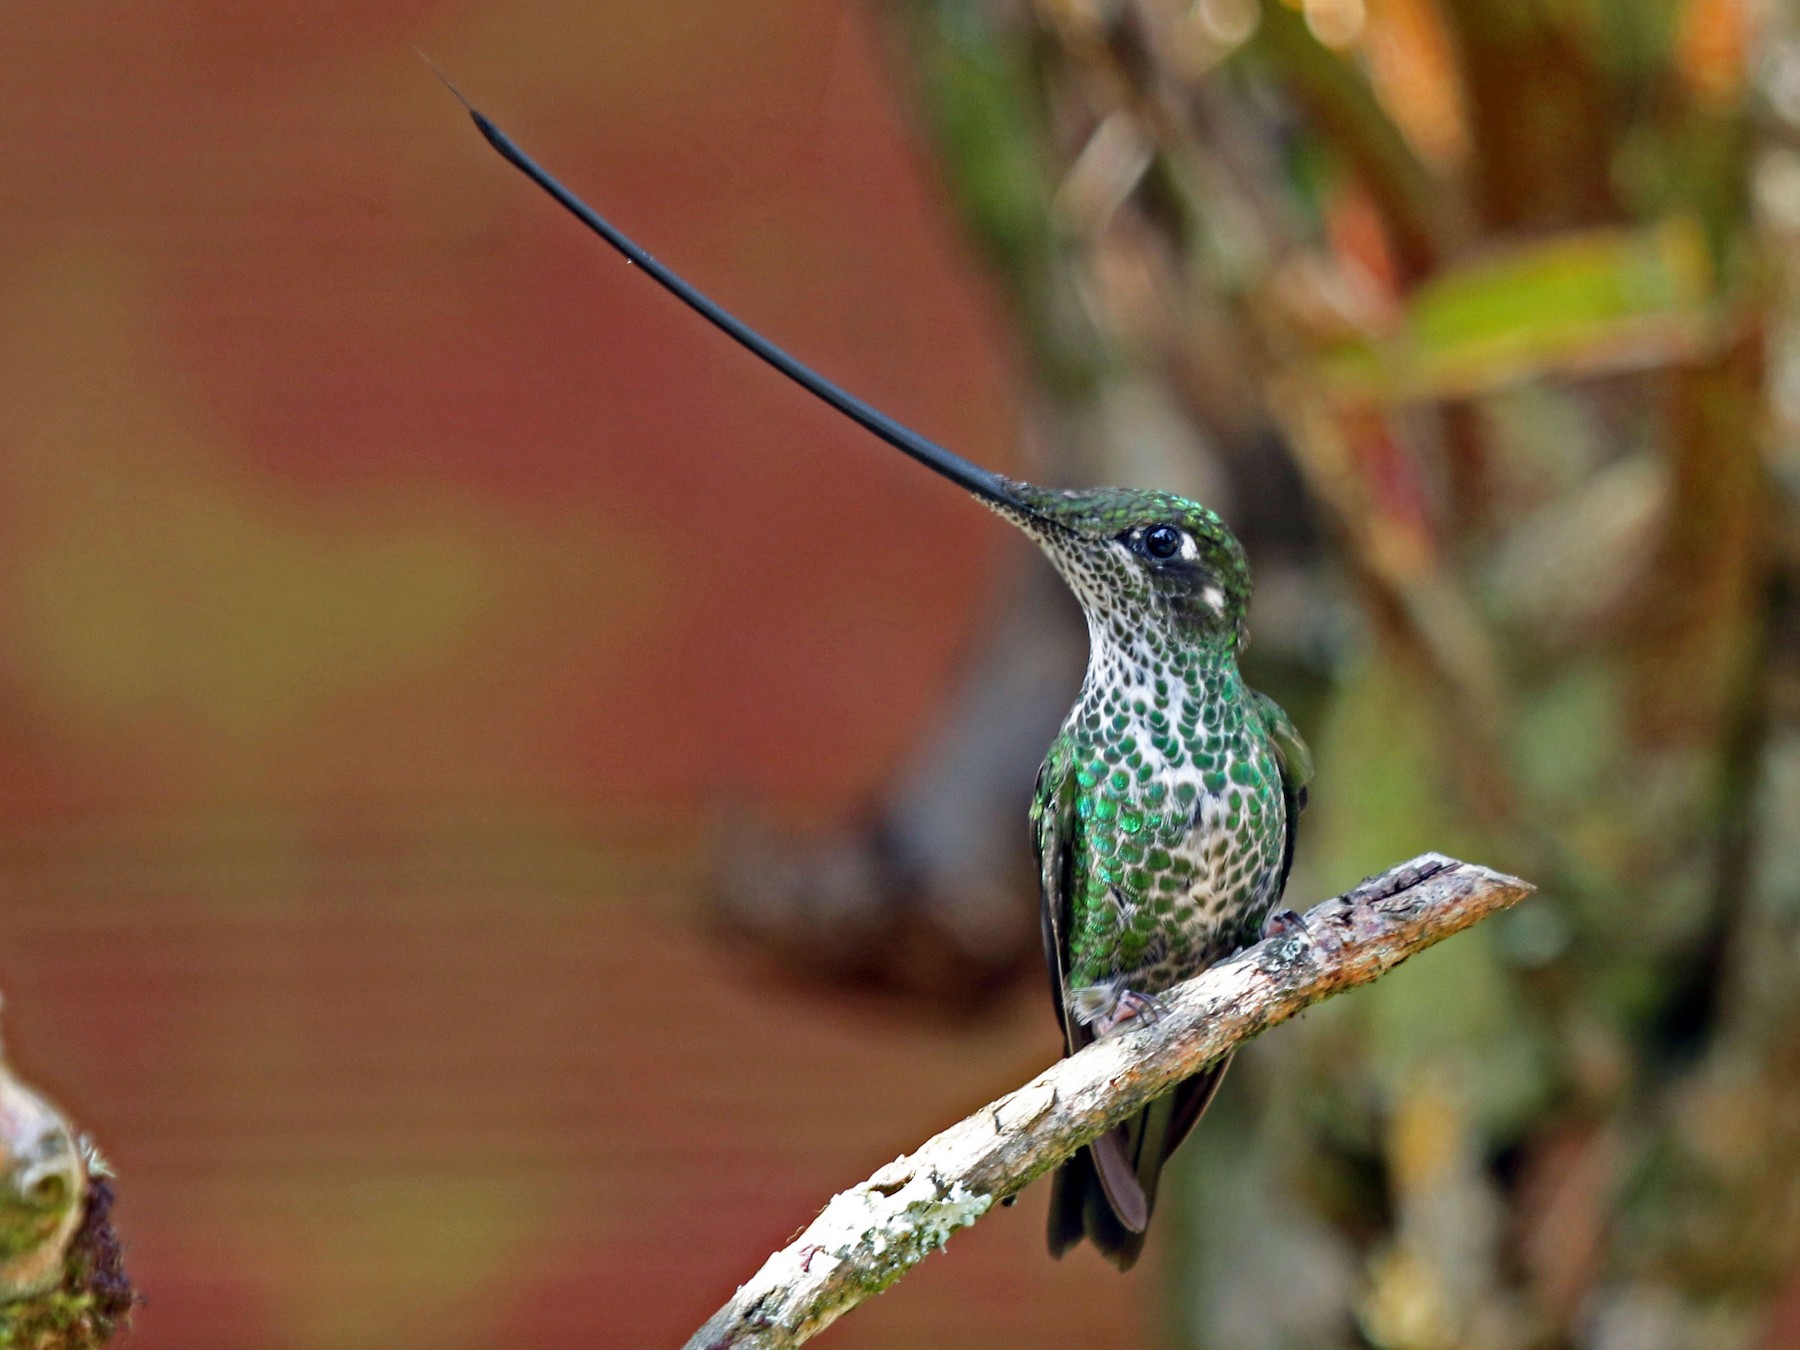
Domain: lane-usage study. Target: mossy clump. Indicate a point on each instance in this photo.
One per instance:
(94, 1300)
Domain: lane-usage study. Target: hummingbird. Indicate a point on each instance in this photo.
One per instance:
(1165, 811)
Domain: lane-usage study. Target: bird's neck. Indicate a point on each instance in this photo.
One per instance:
(1128, 665)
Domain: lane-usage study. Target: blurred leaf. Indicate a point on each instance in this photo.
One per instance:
(1598, 300)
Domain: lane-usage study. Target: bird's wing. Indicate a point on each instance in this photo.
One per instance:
(1104, 1192)
(1296, 759)
(1296, 772)
(1053, 820)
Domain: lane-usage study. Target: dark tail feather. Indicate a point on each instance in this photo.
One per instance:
(1191, 1100)
(1079, 1209)
(1107, 1191)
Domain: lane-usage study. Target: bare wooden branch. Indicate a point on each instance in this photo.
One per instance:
(870, 1235)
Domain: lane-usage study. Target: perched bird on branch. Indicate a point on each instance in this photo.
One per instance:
(1165, 810)
(1164, 813)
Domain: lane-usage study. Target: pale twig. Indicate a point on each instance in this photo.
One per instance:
(870, 1235)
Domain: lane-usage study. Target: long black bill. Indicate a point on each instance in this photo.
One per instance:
(981, 482)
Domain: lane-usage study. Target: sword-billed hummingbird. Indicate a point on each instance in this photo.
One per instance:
(1164, 813)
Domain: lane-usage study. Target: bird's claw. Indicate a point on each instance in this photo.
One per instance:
(1110, 1010)
(1283, 923)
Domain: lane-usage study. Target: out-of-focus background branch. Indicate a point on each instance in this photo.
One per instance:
(485, 769)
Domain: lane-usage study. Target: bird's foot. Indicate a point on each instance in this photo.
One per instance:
(1283, 923)
(1286, 930)
(1111, 1008)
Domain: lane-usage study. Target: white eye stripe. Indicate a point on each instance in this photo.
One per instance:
(1190, 551)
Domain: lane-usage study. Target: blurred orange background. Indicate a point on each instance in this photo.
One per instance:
(394, 582)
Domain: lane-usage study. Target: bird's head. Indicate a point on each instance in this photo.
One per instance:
(1138, 559)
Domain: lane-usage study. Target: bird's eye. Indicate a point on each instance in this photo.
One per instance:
(1162, 541)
